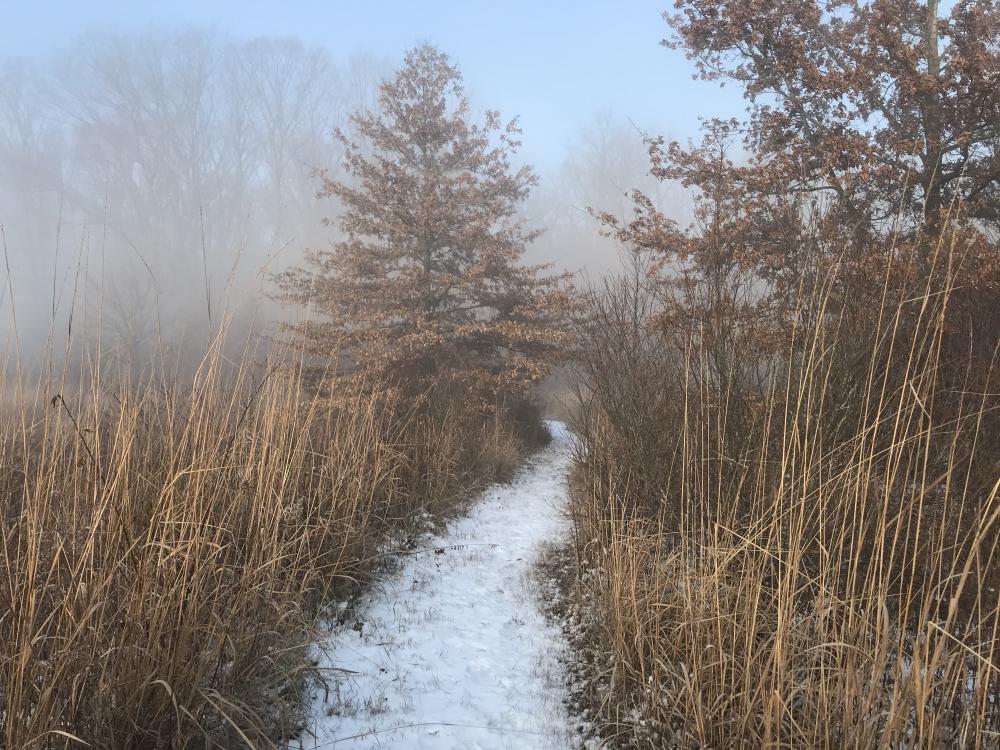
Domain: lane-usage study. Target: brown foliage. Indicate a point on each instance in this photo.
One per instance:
(427, 282)
(791, 541)
(872, 141)
(884, 108)
(816, 565)
(166, 548)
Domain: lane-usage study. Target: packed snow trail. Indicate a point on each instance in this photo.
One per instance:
(453, 651)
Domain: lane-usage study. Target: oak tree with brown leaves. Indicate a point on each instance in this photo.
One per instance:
(866, 118)
(873, 130)
(427, 282)
(887, 109)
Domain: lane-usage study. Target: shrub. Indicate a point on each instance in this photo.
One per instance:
(826, 573)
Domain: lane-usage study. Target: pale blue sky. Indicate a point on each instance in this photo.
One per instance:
(552, 62)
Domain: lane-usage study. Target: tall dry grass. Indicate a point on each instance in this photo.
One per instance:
(813, 564)
(166, 543)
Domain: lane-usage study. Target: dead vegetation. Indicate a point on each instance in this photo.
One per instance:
(810, 564)
(167, 545)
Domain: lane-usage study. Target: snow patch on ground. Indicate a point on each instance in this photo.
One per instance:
(452, 651)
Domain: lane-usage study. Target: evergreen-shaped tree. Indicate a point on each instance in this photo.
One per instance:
(427, 282)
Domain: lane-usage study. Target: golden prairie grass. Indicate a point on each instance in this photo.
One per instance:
(814, 566)
(166, 546)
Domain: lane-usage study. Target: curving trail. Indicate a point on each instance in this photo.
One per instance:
(453, 651)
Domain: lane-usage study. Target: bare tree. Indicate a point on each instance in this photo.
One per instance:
(180, 162)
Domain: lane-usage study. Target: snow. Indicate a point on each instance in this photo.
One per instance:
(453, 651)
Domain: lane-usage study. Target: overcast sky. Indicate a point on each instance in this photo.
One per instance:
(552, 62)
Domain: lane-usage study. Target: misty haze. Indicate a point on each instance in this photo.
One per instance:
(535, 375)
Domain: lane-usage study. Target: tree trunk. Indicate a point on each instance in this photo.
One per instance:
(932, 119)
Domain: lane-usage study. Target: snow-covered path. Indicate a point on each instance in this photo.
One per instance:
(453, 651)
